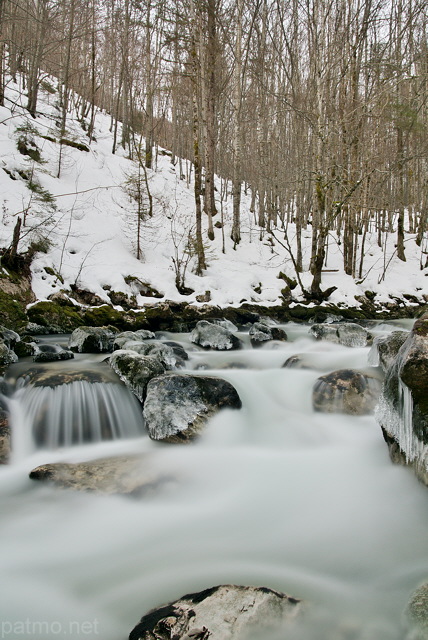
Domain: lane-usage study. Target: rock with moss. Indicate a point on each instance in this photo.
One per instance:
(7, 356)
(47, 352)
(25, 347)
(136, 370)
(346, 391)
(12, 312)
(92, 340)
(54, 317)
(403, 406)
(214, 336)
(417, 614)
(348, 334)
(116, 475)
(385, 349)
(224, 612)
(261, 332)
(177, 406)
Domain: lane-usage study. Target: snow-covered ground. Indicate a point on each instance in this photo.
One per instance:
(91, 224)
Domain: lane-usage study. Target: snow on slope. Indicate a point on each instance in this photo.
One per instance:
(92, 229)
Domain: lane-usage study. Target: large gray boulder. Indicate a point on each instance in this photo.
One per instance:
(214, 336)
(178, 406)
(346, 391)
(7, 356)
(385, 349)
(120, 474)
(92, 339)
(128, 336)
(402, 411)
(136, 370)
(225, 612)
(260, 332)
(165, 353)
(348, 334)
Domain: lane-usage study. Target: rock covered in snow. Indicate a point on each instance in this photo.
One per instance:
(214, 336)
(9, 337)
(385, 349)
(7, 356)
(225, 612)
(120, 474)
(177, 406)
(136, 370)
(127, 336)
(349, 334)
(346, 391)
(417, 613)
(92, 339)
(403, 406)
(261, 332)
(51, 353)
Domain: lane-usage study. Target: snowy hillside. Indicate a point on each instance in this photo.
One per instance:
(90, 223)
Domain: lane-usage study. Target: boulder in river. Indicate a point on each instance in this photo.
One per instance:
(417, 614)
(346, 391)
(120, 474)
(51, 353)
(177, 406)
(7, 356)
(225, 612)
(402, 411)
(92, 339)
(126, 336)
(385, 349)
(214, 336)
(165, 353)
(349, 334)
(261, 332)
(136, 370)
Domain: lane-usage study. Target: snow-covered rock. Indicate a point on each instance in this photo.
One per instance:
(136, 370)
(128, 336)
(225, 612)
(178, 406)
(9, 337)
(348, 334)
(214, 336)
(7, 356)
(164, 352)
(92, 340)
(346, 391)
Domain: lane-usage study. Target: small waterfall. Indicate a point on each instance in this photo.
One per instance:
(72, 414)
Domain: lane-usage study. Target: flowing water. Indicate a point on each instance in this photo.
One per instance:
(274, 495)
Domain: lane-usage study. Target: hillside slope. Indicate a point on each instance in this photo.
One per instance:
(84, 224)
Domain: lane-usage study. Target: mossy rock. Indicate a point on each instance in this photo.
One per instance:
(106, 315)
(59, 319)
(12, 313)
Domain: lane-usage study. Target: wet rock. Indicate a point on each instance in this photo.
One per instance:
(178, 406)
(261, 332)
(385, 349)
(26, 347)
(225, 612)
(346, 391)
(9, 337)
(5, 437)
(348, 334)
(214, 336)
(51, 353)
(160, 350)
(92, 339)
(127, 336)
(298, 361)
(403, 406)
(121, 474)
(7, 356)
(417, 614)
(136, 370)
(179, 351)
(46, 377)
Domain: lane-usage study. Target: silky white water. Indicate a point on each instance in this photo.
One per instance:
(273, 495)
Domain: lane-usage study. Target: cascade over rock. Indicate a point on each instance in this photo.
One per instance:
(177, 406)
(346, 391)
(214, 336)
(349, 334)
(402, 411)
(385, 349)
(225, 612)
